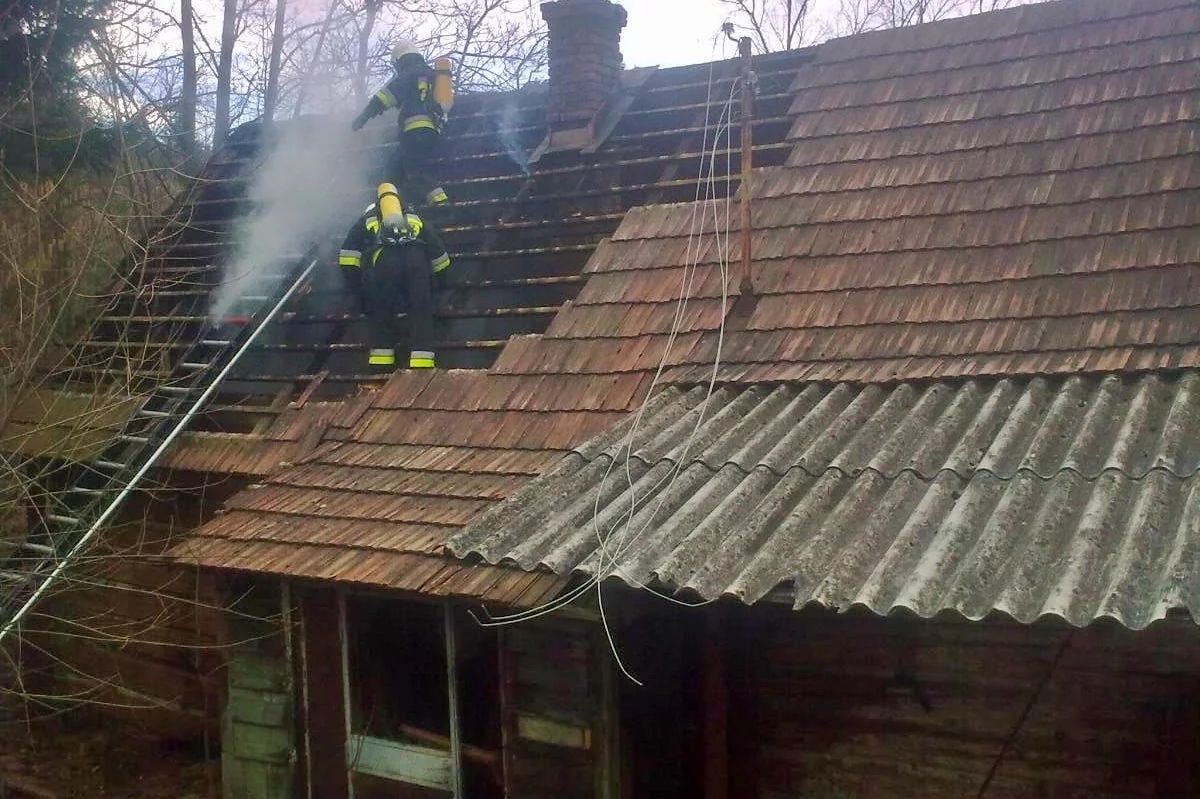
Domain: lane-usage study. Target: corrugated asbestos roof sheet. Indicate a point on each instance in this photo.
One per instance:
(1075, 497)
(1011, 193)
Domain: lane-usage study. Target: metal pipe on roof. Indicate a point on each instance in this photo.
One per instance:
(744, 306)
(747, 137)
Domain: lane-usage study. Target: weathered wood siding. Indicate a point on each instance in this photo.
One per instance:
(556, 710)
(322, 706)
(857, 707)
(143, 637)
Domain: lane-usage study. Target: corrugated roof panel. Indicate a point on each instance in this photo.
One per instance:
(1076, 497)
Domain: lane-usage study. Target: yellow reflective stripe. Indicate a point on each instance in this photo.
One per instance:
(423, 88)
(441, 262)
(419, 121)
(372, 224)
(420, 359)
(414, 223)
(350, 258)
(386, 97)
(436, 196)
(381, 357)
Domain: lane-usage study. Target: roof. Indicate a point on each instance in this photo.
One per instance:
(1077, 497)
(1000, 209)
(519, 236)
(416, 460)
(1011, 193)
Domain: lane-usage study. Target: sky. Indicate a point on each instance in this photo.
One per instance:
(675, 32)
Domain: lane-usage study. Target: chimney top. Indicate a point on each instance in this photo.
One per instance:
(603, 10)
(585, 59)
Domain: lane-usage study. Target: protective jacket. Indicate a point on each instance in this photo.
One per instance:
(391, 272)
(366, 240)
(411, 91)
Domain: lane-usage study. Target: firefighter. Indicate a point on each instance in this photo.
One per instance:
(390, 259)
(422, 96)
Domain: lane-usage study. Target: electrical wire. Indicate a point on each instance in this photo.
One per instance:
(603, 571)
(608, 557)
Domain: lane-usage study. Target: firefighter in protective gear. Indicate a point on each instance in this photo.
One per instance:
(412, 91)
(390, 259)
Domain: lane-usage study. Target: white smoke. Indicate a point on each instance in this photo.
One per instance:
(506, 131)
(308, 190)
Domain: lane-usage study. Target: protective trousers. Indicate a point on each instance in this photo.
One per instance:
(416, 150)
(399, 282)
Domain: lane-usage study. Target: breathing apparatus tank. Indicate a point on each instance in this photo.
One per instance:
(443, 85)
(391, 210)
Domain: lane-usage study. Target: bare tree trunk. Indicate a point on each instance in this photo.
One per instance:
(187, 100)
(272, 98)
(306, 76)
(225, 73)
(772, 24)
(362, 67)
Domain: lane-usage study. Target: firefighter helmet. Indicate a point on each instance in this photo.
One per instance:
(401, 49)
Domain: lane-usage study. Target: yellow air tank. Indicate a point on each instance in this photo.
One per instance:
(391, 211)
(443, 86)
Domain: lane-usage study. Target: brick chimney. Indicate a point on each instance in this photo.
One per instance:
(585, 59)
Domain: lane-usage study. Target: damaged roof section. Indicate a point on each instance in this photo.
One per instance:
(519, 232)
(1075, 497)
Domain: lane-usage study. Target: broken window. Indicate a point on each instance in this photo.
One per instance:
(404, 717)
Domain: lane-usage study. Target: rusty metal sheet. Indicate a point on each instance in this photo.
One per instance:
(1077, 497)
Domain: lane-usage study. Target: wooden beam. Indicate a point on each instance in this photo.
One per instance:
(344, 640)
(456, 769)
(715, 703)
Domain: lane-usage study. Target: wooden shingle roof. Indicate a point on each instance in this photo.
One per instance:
(1009, 194)
(1024, 203)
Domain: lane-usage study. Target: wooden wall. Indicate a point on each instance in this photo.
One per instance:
(144, 638)
(851, 707)
(556, 706)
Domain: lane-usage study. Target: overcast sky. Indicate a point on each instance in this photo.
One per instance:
(673, 32)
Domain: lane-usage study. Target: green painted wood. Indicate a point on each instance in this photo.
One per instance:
(262, 744)
(257, 736)
(259, 707)
(392, 760)
(257, 672)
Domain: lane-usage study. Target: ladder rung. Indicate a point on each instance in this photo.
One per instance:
(41, 549)
(155, 414)
(81, 490)
(174, 389)
(107, 464)
(254, 298)
(194, 365)
(57, 517)
(214, 342)
(133, 439)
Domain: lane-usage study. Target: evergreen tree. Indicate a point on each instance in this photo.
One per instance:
(43, 124)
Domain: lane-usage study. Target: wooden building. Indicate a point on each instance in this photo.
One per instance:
(914, 516)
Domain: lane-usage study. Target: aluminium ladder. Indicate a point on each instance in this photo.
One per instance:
(80, 511)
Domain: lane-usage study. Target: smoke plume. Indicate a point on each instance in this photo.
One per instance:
(507, 124)
(308, 189)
